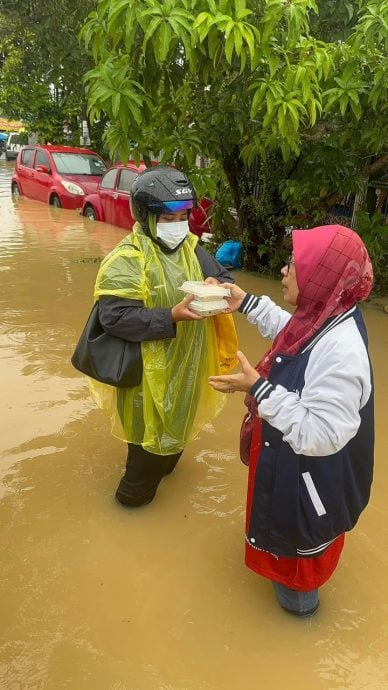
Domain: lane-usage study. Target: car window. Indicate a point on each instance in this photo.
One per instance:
(125, 180)
(27, 157)
(17, 139)
(108, 181)
(78, 164)
(42, 158)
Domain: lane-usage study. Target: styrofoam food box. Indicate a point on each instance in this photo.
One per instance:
(205, 292)
(208, 308)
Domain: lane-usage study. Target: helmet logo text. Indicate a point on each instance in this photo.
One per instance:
(184, 190)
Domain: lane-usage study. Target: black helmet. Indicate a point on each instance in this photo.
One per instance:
(161, 189)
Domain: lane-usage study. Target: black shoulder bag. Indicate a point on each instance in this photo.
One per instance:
(105, 357)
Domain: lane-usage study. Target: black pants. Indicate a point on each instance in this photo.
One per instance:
(143, 474)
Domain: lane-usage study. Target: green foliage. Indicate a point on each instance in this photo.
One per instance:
(296, 87)
(374, 232)
(323, 166)
(265, 243)
(335, 20)
(208, 47)
(235, 81)
(41, 62)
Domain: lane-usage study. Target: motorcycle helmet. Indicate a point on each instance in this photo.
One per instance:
(161, 189)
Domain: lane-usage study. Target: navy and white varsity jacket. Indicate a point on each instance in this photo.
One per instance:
(316, 464)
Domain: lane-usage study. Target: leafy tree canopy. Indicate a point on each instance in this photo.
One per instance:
(42, 63)
(297, 87)
(200, 76)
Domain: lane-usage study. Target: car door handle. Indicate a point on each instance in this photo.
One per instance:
(115, 195)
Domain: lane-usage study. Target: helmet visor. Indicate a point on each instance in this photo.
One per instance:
(173, 206)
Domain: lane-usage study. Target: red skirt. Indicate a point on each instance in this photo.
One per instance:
(302, 574)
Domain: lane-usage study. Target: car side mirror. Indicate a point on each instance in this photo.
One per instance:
(42, 169)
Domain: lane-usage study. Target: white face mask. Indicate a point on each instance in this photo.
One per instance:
(172, 234)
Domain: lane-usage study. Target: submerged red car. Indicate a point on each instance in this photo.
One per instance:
(58, 175)
(110, 202)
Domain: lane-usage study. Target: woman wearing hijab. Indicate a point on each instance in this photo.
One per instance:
(312, 392)
(139, 299)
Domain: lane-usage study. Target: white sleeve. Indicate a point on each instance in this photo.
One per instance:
(263, 313)
(325, 415)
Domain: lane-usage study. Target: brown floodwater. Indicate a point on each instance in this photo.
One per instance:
(98, 597)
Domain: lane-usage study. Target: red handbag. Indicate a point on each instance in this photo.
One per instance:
(250, 432)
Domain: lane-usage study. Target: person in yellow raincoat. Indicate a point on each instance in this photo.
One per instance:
(139, 299)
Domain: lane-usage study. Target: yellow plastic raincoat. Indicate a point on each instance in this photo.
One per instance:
(174, 399)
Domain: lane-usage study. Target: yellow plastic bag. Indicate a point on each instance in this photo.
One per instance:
(227, 342)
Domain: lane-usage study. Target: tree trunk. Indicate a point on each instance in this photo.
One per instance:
(238, 180)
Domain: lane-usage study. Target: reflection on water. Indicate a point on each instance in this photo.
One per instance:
(96, 597)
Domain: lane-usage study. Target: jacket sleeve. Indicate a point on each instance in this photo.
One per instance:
(263, 313)
(211, 267)
(322, 418)
(129, 319)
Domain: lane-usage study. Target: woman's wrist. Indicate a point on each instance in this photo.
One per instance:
(249, 302)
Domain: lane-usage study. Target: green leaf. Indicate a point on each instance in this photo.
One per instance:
(312, 112)
(255, 61)
(229, 28)
(257, 100)
(115, 104)
(242, 14)
(356, 109)
(282, 121)
(202, 17)
(294, 114)
(248, 38)
(152, 27)
(343, 101)
(243, 60)
(182, 21)
(237, 39)
(306, 89)
(163, 40)
(213, 43)
(229, 46)
(203, 30)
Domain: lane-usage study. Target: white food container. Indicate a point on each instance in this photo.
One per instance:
(209, 299)
(203, 291)
(208, 308)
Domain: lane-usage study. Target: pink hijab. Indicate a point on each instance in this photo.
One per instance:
(333, 272)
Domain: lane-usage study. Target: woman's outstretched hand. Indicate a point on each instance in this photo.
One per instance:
(236, 297)
(182, 311)
(243, 381)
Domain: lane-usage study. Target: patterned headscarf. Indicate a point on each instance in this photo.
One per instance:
(333, 272)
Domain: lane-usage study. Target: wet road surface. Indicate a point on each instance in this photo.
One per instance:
(97, 597)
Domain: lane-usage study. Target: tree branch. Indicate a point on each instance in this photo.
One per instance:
(319, 131)
(367, 171)
(374, 167)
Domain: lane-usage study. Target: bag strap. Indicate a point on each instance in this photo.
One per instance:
(129, 244)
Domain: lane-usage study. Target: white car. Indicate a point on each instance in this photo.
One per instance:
(14, 143)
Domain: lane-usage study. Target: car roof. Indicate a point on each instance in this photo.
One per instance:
(142, 165)
(53, 148)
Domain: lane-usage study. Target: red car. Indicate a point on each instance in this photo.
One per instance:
(110, 202)
(58, 175)
(200, 219)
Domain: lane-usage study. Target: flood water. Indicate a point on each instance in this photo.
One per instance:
(98, 597)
